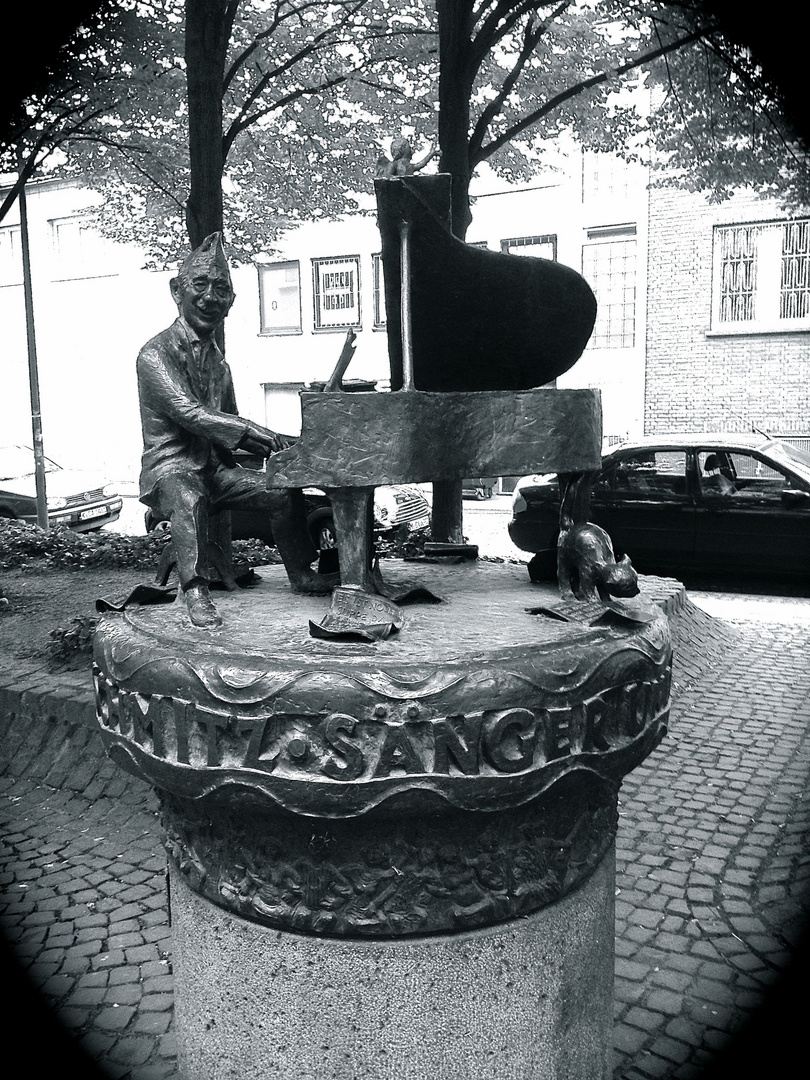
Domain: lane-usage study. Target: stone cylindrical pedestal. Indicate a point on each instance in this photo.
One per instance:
(531, 997)
(390, 860)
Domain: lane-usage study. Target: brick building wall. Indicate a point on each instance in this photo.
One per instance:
(697, 377)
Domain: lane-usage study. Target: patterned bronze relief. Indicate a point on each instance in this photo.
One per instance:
(388, 875)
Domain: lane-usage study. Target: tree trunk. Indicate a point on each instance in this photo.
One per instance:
(208, 27)
(456, 76)
(455, 87)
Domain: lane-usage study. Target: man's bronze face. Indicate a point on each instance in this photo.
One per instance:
(204, 300)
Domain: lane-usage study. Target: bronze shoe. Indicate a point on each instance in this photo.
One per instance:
(201, 608)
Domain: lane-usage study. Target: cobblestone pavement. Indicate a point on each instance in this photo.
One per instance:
(713, 849)
(712, 885)
(83, 873)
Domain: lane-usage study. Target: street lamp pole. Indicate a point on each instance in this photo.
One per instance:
(33, 372)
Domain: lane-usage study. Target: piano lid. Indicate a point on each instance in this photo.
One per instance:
(481, 320)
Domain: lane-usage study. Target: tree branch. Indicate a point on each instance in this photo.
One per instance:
(273, 73)
(395, 92)
(244, 120)
(586, 84)
(236, 129)
(507, 13)
(673, 91)
(531, 38)
(23, 176)
(350, 9)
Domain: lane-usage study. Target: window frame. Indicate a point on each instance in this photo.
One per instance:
(604, 237)
(605, 178)
(11, 267)
(82, 261)
(290, 330)
(319, 326)
(378, 310)
(606, 491)
(767, 291)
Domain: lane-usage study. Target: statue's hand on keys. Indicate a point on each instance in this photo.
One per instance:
(262, 441)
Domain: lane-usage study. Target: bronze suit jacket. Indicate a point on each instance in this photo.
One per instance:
(188, 406)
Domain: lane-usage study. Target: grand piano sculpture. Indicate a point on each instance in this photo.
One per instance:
(472, 334)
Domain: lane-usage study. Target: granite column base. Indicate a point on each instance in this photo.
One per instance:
(531, 997)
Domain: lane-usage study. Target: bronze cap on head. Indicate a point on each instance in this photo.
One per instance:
(202, 289)
(209, 258)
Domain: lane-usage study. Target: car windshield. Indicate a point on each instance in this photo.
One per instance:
(790, 455)
(18, 461)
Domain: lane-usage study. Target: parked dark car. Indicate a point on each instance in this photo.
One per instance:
(676, 503)
(81, 500)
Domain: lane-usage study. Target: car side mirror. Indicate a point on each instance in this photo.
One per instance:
(795, 498)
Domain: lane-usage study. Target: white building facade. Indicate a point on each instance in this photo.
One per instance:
(638, 248)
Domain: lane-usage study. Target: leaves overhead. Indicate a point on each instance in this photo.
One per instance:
(307, 102)
(719, 124)
(313, 90)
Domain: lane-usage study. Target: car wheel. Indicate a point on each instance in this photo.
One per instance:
(322, 530)
(543, 566)
(155, 524)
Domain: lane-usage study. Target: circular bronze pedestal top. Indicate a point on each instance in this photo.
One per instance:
(477, 703)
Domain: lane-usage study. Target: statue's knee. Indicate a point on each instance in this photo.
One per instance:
(187, 503)
(181, 496)
(285, 502)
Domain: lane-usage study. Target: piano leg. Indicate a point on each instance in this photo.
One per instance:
(354, 525)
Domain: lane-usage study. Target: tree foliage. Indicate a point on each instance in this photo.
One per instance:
(301, 112)
(659, 80)
(720, 120)
(310, 90)
(45, 40)
(102, 74)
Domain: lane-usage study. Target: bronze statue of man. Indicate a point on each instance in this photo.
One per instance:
(191, 428)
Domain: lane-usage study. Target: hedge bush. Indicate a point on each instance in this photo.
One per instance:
(22, 545)
(74, 641)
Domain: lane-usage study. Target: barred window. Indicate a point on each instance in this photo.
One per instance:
(738, 252)
(762, 277)
(794, 294)
(336, 292)
(610, 269)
